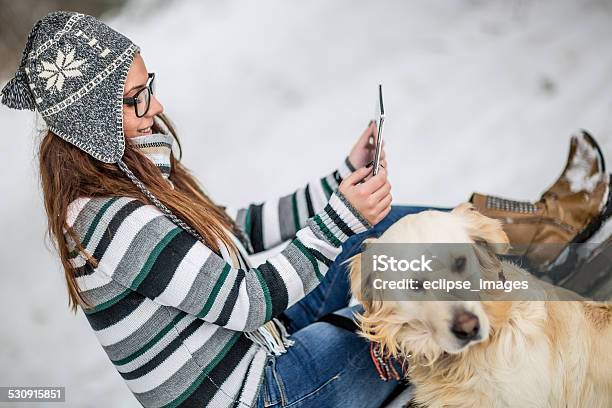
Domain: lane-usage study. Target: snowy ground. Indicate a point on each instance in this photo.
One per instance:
(268, 95)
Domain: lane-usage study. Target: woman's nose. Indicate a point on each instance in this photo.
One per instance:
(155, 108)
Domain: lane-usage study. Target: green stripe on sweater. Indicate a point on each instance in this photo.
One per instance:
(215, 291)
(204, 374)
(266, 292)
(330, 235)
(328, 190)
(151, 342)
(146, 268)
(108, 303)
(308, 255)
(96, 220)
(247, 221)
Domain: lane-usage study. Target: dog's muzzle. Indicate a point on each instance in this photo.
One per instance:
(466, 326)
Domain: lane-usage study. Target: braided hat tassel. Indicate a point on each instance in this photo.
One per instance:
(167, 212)
(16, 94)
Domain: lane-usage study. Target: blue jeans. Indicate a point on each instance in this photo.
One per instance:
(328, 366)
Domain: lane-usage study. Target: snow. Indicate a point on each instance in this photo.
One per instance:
(581, 166)
(479, 96)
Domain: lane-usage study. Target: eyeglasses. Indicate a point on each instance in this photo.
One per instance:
(142, 99)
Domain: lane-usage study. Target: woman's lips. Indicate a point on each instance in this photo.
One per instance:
(145, 131)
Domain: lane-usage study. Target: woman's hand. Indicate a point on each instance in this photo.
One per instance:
(363, 151)
(372, 198)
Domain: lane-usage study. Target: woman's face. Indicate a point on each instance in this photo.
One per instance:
(136, 80)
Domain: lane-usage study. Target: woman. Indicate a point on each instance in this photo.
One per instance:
(162, 272)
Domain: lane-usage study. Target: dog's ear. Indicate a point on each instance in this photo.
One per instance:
(361, 283)
(483, 229)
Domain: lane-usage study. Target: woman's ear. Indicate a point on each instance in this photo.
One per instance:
(483, 229)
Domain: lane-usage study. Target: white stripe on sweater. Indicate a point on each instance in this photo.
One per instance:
(310, 240)
(251, 384)
(302, 206)
(129, 324)
(346, 214)
(184, 276)
(157, 347)
(161, 373)
(222, 296)
(292, 280)
(317, 195)
(271, 226)
(75, 208)
(124, 236)
(240, 313)
(199, 337)
(95, 280)
(105, 219)
(344, 170)
(228, 389)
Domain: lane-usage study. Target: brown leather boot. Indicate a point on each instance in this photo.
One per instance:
(570, 211)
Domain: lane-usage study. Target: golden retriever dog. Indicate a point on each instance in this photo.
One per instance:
(486, 353)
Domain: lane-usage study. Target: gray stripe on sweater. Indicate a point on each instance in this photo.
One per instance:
(87, 215)
(159, 346)
(209, 350)
(229, 394)
(140, 249)
(223, 295)
(104, 220)
(285, 217)
(254, 377)
(103, 293)
(317, 231)
(202, 286)
(257, 307)
(302, 266)
(171, 388)
(179, 382)
(302, 206)
(156, 323)
(241, 218)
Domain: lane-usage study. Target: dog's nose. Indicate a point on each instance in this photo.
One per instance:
(465, 325)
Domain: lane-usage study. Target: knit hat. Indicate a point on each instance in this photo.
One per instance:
(73, 72)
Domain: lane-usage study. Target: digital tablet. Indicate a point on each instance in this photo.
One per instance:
(379, 119)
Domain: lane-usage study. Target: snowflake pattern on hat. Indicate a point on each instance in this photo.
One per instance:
(65, 66)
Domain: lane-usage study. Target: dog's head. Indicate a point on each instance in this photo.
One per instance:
(430, 326)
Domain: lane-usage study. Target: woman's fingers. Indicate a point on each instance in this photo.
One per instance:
(372, 197)
(384, 203)
(367, 135)
(358, 175)
(382, 214)
(381, 193)
(375, 182)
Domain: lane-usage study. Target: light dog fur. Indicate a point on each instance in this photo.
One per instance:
(526, 353)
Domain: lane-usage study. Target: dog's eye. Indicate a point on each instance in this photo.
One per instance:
(417, 285)
(459, 264)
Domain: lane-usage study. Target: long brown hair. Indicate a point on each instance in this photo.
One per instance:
(67, 173)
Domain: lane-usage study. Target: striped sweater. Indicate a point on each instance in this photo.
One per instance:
(173, 316)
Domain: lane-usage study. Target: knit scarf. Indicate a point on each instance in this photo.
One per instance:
(158, 148)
